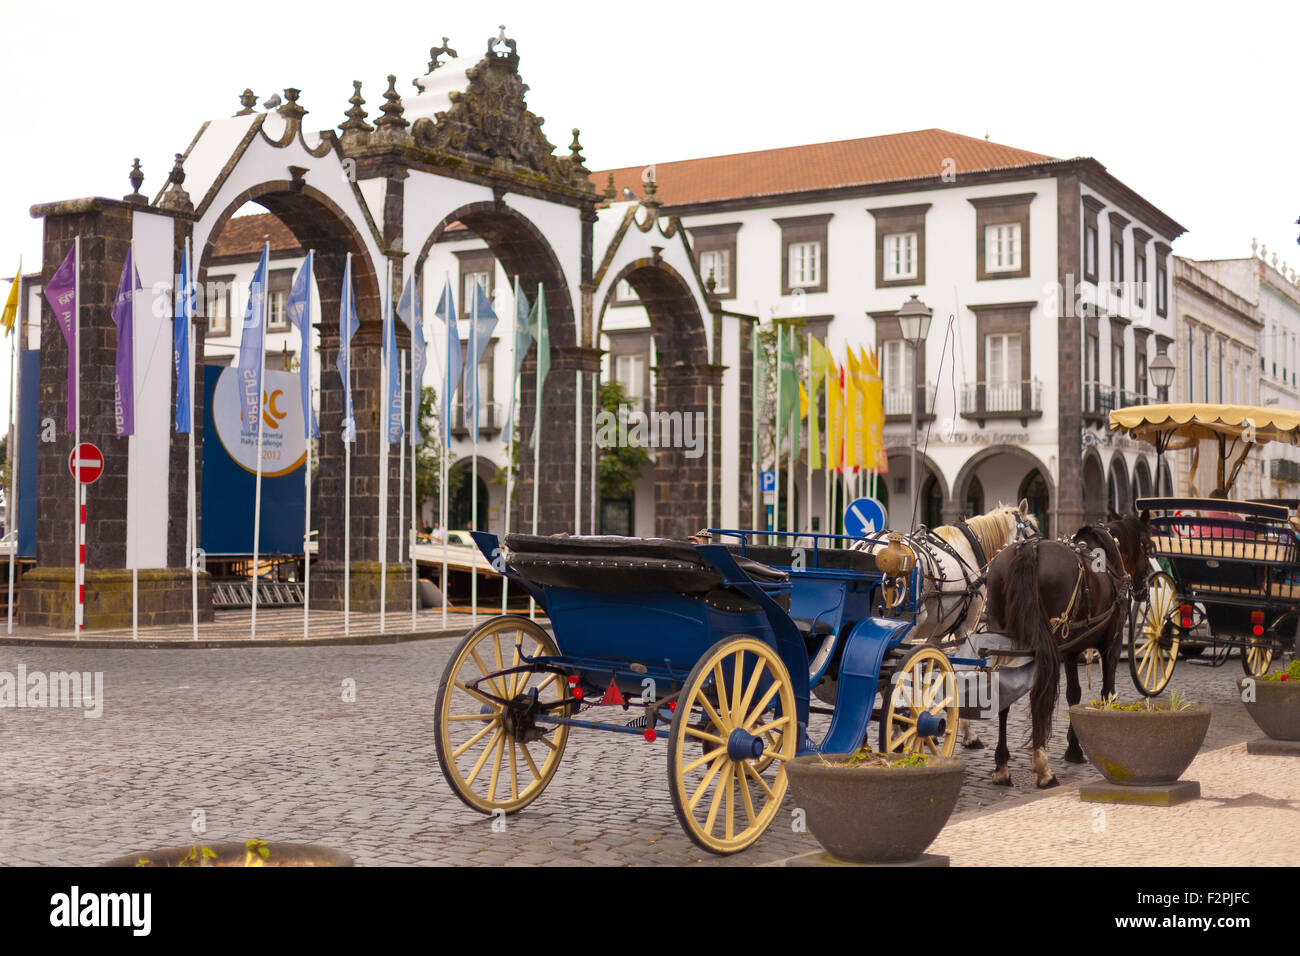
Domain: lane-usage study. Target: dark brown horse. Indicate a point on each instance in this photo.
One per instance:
(1058, 599)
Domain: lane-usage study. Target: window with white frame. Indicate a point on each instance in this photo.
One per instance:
(1140, 277)
(900, 256)
(716, 263)
(1002, 247)
(218, 305)
(481, 280)
(629, 372)
(805, 264)
(1002, 368)
(896, 373)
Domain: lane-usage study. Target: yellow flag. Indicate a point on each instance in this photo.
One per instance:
(852, 413)
(834, 420)
(11, 305)
(875, 413)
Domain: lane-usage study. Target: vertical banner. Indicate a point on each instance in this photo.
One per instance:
(61, 293)
(874, 411)
(124, 366)
(251, 342)
(834, 421)
(181, 317)
(298, 309)
(853, 413)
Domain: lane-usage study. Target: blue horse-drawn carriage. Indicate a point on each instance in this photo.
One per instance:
(718, 645)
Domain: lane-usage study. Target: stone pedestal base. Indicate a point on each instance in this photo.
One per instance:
(1155, 795)
(46, 598)
(327, 586)
(822, 858)
(1268, 747)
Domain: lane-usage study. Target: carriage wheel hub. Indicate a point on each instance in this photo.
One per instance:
(931, 725)
(742, 745)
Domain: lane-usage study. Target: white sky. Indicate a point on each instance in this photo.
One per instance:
(1188, 104)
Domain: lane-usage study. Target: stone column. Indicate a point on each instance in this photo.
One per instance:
(681, 473)
(1069, 471)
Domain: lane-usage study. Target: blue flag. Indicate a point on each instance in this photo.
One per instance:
(523, 339)
(348, 325)
(183, 315)
(251, 345)
(408, 310)
(298, 309)
(482, 321)
(393, 392)
(446, 311)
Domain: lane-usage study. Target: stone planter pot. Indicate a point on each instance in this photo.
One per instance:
(1140, 748)
(1276, 707)
(875, 815)
(236, 854)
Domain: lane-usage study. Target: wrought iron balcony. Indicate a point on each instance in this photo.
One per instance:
(983, 400)
(491, 419)
(898, 402)
(1282, 469)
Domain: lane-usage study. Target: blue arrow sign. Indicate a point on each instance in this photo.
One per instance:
(768, 483)
(864, 516)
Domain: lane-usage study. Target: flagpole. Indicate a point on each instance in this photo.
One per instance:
(11, 506)
(134, 544)
(577, 452)
(452, 340)
(401, 461)
(349, 430)
(305, 330)
(191, 494)
(78, 488)
(384, 359)
(510, 439)
(537, 424)
(812, 418)
(473, 471)
(417, 316)
(257, 497)
(753, 428)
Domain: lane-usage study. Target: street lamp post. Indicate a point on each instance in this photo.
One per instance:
(1161, 372)
(914, 325)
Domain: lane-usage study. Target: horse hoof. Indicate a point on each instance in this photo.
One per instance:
(1050, 784)
(1002, 783)
(1075, 756)
(974, 745)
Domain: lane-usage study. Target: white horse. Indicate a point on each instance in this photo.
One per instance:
(952, 561)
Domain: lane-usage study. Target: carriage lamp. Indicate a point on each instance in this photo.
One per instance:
(1161, 371)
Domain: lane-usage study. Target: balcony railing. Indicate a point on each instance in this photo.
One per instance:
(898, 401)
(1010, 399)
(491, 419)
(1280, 469)
(1100, 399)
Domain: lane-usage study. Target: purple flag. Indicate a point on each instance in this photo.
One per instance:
(124, 319)
(61, 294)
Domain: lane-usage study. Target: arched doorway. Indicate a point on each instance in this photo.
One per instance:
(1035, 493)
(932, 502)
(516, 243)
(974, 497)
(999, 475)
(1166, 482)
(934, 492)
(1142, 479)
(1094, 488)
(684, 385)
(460, 498)
(1118, 498)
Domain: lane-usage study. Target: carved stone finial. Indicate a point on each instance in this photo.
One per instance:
(247, 99)
(575, 150)
(137, 180)
(392, 108)
(437, 52)
(1263, 251)
(710, 283)
(355, 125)
(609, 189)
(509, 52)
(1254, 245)
(176, 197)
(1275, 260)
(291, 111)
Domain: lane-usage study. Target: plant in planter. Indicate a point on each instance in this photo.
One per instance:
(1142, 744)
(868, 807)
(248, 853)
(1273, 702)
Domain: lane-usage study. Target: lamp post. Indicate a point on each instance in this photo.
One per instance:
(1161, 372)
(914, 325)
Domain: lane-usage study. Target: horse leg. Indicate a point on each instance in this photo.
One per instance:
(1001, 756)
(970, 736)
(1073, 694)
(1043, 776)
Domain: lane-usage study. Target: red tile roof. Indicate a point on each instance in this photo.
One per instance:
(242, 237)
(794, 169)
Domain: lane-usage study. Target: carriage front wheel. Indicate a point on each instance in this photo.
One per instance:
(921, 709)
(1256, 656)
(739, 703)
(1152, 637)
(493, 752)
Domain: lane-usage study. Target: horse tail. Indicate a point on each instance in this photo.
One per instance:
(1028, 627)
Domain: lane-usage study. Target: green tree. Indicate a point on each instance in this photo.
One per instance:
(620, 466)
(428, 457)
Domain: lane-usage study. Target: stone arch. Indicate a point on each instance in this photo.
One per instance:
(486, 472)
(319, 224)
(685, 382)
(525, 253)
(900, 459)
(1093, 478)
(1142, 487)
(1119, 497)
(972, 465)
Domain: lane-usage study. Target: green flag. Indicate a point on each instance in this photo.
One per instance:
(537, 323)
(789, 410)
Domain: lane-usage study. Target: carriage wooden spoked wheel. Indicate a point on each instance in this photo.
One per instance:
(920, 710)
(1256, 656)
(739, 703)
(1153, 636)
(493, 751)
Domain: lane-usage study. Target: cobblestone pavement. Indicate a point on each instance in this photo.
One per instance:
(260, 743)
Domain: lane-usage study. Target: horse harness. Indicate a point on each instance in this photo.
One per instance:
(1063, 624)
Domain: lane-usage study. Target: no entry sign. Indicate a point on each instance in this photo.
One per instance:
(86, 463)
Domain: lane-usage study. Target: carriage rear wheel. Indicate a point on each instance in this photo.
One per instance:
(1152, 637)
(737, 700)
(1257, 656)
(921, 710)
(495, 755)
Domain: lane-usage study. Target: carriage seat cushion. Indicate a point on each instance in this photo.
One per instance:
(618, 563)
(836, 559)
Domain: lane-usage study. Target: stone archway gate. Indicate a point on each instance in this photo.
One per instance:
(464, 148)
